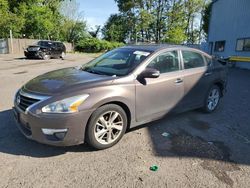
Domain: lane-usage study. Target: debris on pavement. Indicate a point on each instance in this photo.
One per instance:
(140, 179)
(154, 168)
(165, 134)
(210, 143)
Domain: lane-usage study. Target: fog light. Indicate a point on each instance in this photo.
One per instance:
(60, 136)
(55, 134)
(54, 131)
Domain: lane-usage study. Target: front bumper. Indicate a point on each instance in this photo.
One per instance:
(31, 126)
(33, 54)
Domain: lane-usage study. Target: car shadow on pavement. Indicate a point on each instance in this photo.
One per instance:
(13, 142)
(21, 58)
(220, 136)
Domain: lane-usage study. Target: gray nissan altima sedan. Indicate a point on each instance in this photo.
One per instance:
(121, 89)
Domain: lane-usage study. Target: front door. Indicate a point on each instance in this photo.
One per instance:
(157, 96)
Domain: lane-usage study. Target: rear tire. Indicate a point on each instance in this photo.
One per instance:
(106, 126)
(63, 55)
(212, 99)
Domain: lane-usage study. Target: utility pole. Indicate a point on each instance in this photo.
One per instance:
(11, 41)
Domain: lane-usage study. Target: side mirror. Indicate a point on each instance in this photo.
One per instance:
(150, 73)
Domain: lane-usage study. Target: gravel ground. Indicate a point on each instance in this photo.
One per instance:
(197, 150)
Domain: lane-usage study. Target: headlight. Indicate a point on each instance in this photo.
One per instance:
(68, 105)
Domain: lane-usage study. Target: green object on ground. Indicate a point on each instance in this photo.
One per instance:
(154, 168)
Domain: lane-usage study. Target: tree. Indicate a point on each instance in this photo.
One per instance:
(160, 7)
(95, 31)
(42, 19)
(72, 31)
(73, 27)
(176, 23)
(144, 18)
(206, 17)
(42, 24)
(193, 8)
(115, 29)
(9, 21)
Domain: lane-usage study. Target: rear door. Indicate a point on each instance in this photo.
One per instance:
(58, 49)
(157, 96)
(197, 79)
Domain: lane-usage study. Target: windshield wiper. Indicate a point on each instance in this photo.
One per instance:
(92, 71)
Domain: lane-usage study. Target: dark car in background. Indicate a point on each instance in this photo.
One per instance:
(46, 49)
(121, 89)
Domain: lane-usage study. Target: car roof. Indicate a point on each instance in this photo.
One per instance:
(155, 47)
(50, 41)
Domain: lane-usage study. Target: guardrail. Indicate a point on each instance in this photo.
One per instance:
(239, 59)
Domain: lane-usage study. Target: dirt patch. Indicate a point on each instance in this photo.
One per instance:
(215, 155)
(219, 169)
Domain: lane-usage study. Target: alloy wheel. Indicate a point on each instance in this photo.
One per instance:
(213, 99)
(108, 127)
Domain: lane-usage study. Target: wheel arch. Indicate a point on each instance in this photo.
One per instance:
(221, 85)
(124, 107)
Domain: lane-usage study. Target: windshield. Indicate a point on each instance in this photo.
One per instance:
(119, 62)
(44, 43)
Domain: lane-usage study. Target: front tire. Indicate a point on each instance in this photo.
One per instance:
(212, 99)
(46, 56)
(106, 126)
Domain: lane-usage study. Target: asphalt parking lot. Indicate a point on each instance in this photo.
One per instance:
(196, 149)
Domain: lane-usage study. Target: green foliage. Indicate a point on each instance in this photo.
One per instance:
(42, 23)
(176, 24)
(115, 28)
(72, 31)
(175, 35)
(72, 27)
(9, 21)
(177, 21)
(42, 19)
(94, 45)
(206, 17)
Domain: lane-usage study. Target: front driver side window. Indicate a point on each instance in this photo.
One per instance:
(165, 62)
(192, 60)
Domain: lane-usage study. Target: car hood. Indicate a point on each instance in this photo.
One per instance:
(65, 80)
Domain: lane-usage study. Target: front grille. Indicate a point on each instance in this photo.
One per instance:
(31, 53)
(23, 102)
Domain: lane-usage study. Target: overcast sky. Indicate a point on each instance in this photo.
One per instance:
(96, 12)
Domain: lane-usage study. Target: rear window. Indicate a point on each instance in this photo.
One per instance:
(59, 44)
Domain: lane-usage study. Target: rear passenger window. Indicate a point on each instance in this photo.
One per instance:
(58, 45)
(166, 62)
(192, 59)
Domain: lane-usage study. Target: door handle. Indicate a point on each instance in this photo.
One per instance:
(178, 81)
(208, 73)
